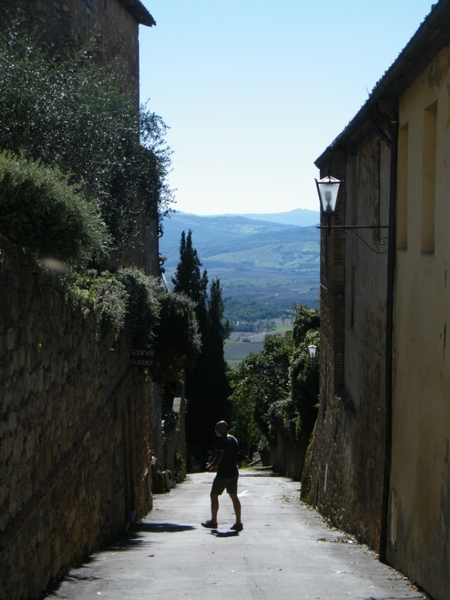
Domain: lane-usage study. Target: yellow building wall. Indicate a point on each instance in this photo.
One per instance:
(420, 475)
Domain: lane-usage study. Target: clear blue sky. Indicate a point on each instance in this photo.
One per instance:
(253, 91)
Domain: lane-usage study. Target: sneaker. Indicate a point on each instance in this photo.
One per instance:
(209, 524)
(237, 527)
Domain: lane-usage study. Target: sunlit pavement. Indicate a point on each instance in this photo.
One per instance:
(285, 551)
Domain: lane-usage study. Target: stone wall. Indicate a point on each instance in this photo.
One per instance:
(174, 441)
(343, 475)
(75, 425)
(287, 456)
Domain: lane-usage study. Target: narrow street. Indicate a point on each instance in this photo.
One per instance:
(285, 551)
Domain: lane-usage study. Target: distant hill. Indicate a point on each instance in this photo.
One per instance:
(210, 232)
(300, 217)
(254, 258)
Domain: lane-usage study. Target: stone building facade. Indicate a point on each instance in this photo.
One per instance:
(344, 481)
(65, 23)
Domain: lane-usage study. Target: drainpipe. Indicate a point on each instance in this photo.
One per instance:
(393, 130)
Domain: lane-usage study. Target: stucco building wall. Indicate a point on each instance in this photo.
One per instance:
(419, 540)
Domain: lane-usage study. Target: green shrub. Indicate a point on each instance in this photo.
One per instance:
(127, 299)
(100, 294)
(41, 212)
(179, 465)
(131, 301)
(178, 341)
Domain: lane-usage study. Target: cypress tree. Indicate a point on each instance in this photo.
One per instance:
(216, 369)
(188, 280)
(206, 386)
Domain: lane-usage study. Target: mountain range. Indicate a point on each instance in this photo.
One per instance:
(300, 217)
(264, 257)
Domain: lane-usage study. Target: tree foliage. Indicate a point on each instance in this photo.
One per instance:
(260, 384)
(67, 112)
(278, 387)
(188, 278)
(143, 305)
(206, 383)
(306, 320)
(82, 169)
(178, 342)
(244, 315)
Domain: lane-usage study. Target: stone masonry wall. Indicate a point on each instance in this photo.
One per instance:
(64, 23)
(343, 474)
(74, 431)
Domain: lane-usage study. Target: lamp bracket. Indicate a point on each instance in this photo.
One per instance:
(382, 241)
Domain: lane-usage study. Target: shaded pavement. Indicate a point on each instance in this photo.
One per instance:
(285, 551)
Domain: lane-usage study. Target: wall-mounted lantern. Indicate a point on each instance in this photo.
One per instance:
(312, 350)
(328, 189)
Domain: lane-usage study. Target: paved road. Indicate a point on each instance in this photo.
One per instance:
(285, 551)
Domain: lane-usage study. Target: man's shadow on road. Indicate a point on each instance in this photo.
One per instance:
(142, 527)
(223, 534)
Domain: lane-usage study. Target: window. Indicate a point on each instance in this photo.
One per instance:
(429, 178)
(375, 201)
(402, 188)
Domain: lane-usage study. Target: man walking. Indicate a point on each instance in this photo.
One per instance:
(225, 465)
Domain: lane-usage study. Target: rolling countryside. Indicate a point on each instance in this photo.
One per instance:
(271, 259)
(266, 263)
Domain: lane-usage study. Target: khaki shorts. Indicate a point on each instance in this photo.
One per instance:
(222, 483)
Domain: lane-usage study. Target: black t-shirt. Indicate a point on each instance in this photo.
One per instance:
(228, 465)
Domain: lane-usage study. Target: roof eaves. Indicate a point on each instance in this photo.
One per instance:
(432, 35)
(139, 12)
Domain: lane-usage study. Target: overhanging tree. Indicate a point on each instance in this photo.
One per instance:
(68, 112)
